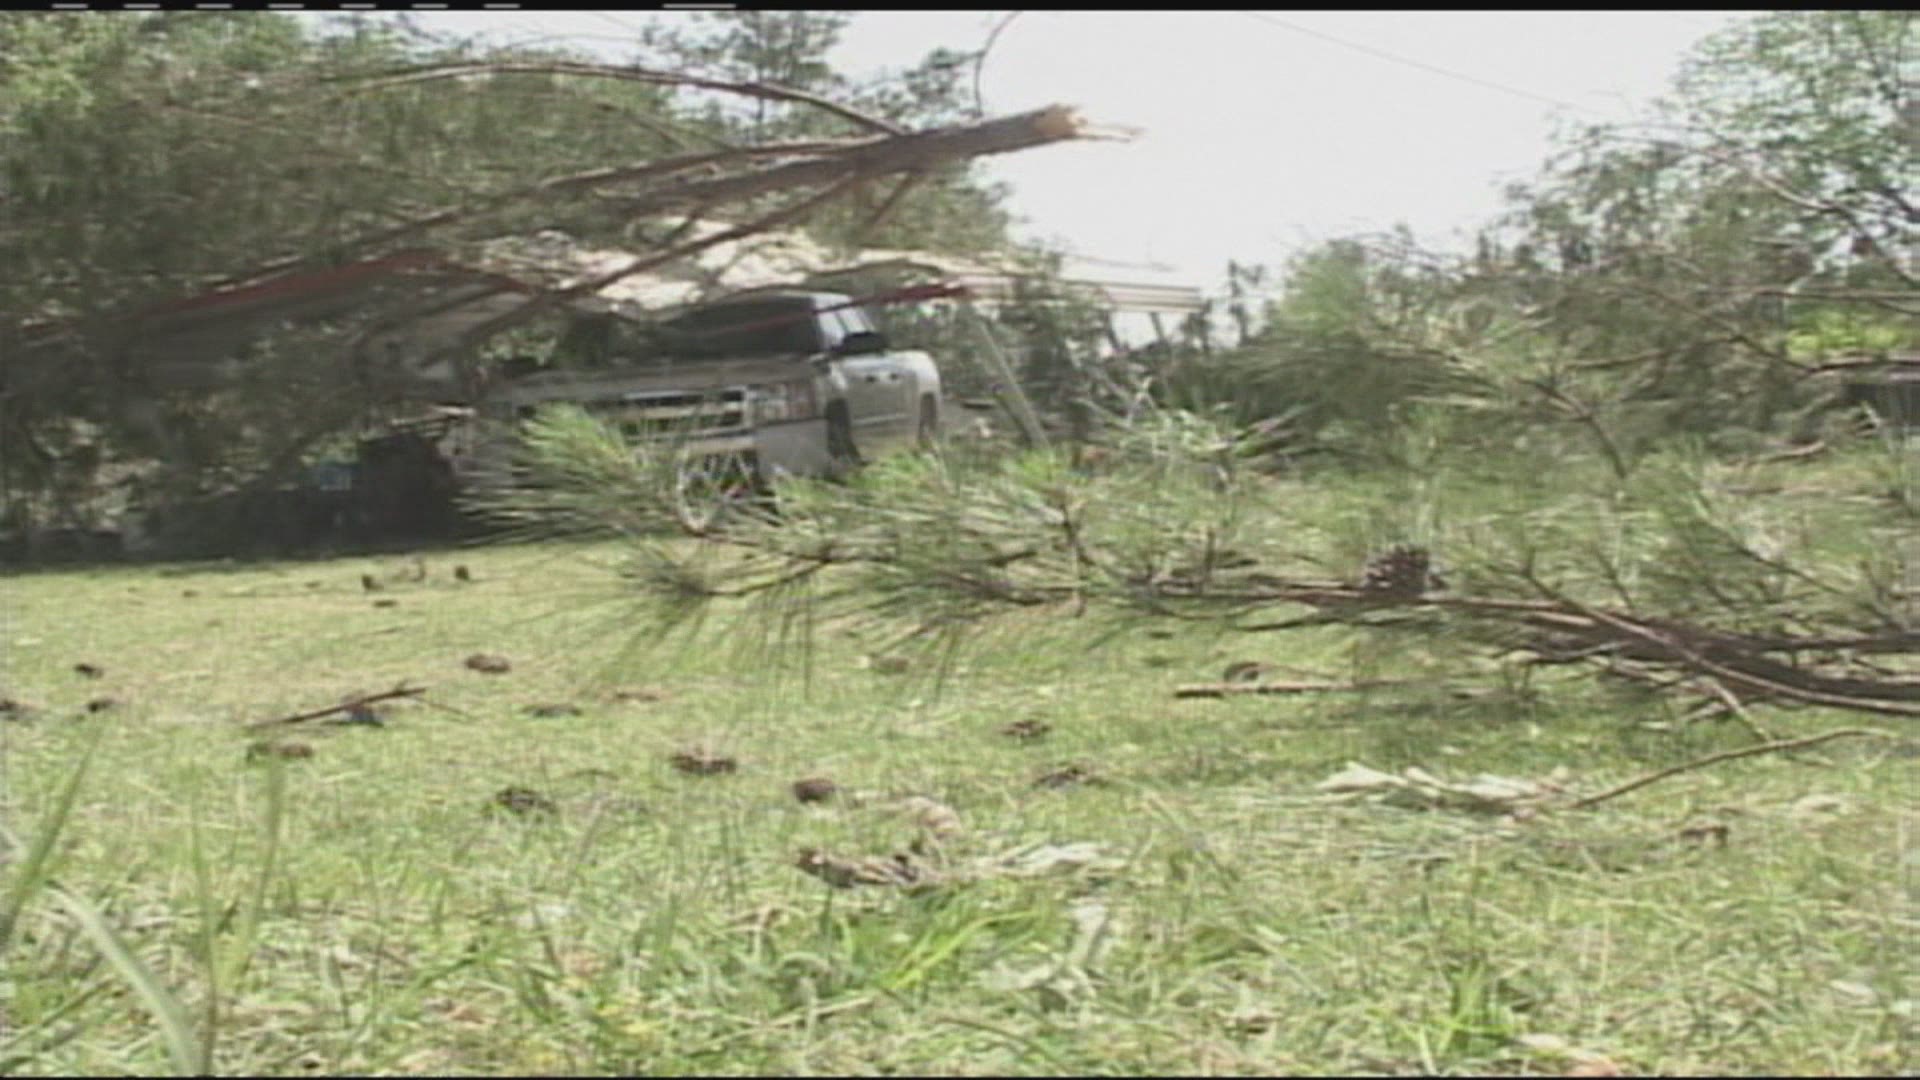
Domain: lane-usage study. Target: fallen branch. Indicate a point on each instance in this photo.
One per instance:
(1777, 746)
(346, 706)
(763, 91)
(1230, 689)
(855, 164)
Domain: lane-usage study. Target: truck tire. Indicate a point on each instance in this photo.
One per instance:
(843, 454)
(928, 431)
(708, 488)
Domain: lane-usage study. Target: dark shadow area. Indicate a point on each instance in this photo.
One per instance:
(398, 496)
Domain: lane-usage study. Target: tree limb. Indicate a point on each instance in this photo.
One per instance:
(762, 91)
(1775, 747)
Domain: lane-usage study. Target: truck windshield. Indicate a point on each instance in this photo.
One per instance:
(761, 328)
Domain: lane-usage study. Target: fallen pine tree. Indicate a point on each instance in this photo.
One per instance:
(934, 547)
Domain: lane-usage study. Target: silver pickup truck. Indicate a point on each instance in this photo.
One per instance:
(743, 388)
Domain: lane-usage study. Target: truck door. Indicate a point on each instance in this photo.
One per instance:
(878, 393)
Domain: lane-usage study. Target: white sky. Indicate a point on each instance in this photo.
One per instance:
(1260, 138)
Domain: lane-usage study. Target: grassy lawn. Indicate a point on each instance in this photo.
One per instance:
(1230, 920)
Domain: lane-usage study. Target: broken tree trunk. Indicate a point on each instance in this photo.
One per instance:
(843, 168)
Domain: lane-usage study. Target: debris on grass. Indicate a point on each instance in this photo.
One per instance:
(931, 816)
(641, 694)
(1068, 975)
(699, 761)
(102, 704)
(386, 603)
(1700, 832)
(461, 573)
(368, 584)
(285, 749)
(814, 789)
(553, 710)
(523, 802)
(1042, 860)
(1244, 671)
(1814, 807)
(617, 805)
(888, 665)
(11, 709)
(898, 869)
(1067, 776)
(89, 671)
(489, 664)
(356, 712)
(1026, 730)
(355, 706)
(1415, 788)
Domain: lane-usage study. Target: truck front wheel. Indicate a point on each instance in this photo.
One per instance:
(929, 431)
(843, 456)
(709, 487)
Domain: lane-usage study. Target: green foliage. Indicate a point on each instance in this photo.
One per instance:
(1641, 289)
(1820, 333)
(153, 156)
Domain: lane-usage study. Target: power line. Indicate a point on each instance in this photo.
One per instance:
(1417, 64)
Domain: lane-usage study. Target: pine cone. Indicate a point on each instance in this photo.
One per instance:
(1403, 571)
(703, 762)
(814, 789)
(269, 748)
(523, 801)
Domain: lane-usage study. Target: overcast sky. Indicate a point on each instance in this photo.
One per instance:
(1263, 132)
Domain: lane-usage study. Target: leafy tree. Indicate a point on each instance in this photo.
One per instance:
(150, 156)
(1672, 279)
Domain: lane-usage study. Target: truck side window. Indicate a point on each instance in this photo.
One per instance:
(748, 328)
(855, 320)
(832, 330)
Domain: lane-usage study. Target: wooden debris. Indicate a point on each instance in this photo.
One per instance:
(1230, 689)
(553, 710)
(348, 706)
(89, 671)
(102, 704)
(1775, 747)
(359, 713)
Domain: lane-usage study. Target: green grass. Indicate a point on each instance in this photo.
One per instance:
(370, 915)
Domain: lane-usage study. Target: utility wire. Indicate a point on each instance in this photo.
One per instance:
(1418, 64)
